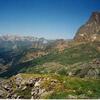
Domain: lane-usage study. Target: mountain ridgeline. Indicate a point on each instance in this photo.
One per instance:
(91, 30)
(52, 69)
(17, 42)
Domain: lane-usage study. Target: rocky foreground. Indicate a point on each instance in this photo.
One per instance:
(35, 86)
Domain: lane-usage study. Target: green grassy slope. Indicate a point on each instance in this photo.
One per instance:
(55, 66)
(82, 53)
(63, 88)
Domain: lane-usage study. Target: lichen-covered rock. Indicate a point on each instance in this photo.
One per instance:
(1, 93)
(49, 86)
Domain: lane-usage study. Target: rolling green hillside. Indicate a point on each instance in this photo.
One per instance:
(73, 59)
(74, 56)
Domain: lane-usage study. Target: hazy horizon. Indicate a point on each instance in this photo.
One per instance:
(51, 19)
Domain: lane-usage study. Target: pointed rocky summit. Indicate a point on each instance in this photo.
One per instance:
(91, 30)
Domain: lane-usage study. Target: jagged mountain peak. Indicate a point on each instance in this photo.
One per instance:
(90, 31)
(95, 17)
(12, 37)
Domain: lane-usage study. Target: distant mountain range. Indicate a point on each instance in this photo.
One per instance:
(39, 68)
(16, 41)
(15, 49)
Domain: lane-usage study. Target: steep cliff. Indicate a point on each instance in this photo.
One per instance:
(91, 30)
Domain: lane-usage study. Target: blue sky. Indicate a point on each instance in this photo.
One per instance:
(45, 18)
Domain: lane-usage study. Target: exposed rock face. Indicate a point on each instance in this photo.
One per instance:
(89, 70)
(91, 30)
(32, 55)
(59, 45)
(35, 86)
(1, 93)
(27, 87)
